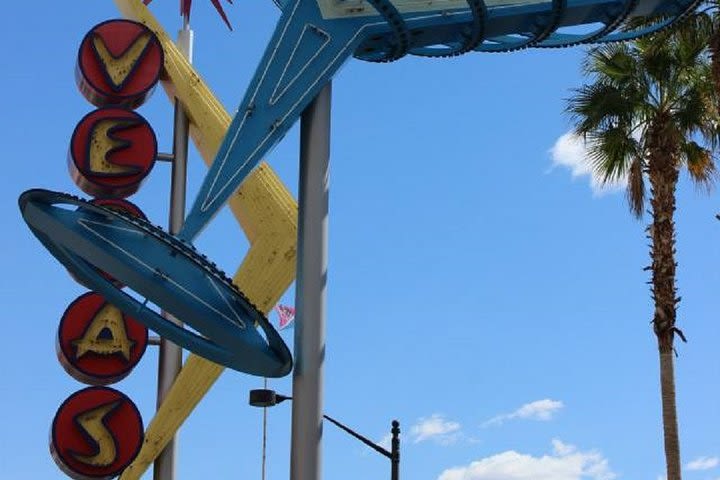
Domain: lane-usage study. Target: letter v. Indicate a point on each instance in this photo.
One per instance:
(118, 69)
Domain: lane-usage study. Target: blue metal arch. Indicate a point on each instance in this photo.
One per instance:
(471, 37)
(545, 26)
(542, 33)
(614, 19)
(401, 35)
(86, 237)
(298, 63)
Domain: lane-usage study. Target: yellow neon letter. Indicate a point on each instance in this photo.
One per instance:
(119, 67)
(103, 142)
(92, 422)
(105, 335)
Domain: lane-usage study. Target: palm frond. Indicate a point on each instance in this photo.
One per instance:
(598, 106)
(658, 65)
(636, 187)
(700, 164)
(690, 110)
(613, 63)
(611, 152)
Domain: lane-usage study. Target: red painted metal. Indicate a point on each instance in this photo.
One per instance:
(186, 6)
(128, 155)
(129, 50)
(75, 436)
(95, 367)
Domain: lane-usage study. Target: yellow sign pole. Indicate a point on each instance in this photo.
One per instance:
(265, 210)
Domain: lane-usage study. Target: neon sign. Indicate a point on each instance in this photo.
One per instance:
(119, 63)
(97, 343)
(96, 433)
(112, 150)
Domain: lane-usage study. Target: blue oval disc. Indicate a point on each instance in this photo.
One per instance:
(163, 270)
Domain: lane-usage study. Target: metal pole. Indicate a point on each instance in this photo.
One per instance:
(264, 439)
(305, 450)
(395, 451)
(170, 360)
(363, 439)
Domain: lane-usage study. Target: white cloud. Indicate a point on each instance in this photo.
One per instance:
(703, 463)
(436, 428)
(565, 463)
(543, 410)
(561, 448)
(385, 442)
(569, 152)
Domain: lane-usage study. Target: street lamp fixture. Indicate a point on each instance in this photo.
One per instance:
(269, 398)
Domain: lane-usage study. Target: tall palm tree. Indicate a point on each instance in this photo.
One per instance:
(648, 111)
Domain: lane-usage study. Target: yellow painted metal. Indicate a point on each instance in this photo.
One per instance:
(102, 142)
(108, 319)
(263, 206)
(92, 423)
(120, 68)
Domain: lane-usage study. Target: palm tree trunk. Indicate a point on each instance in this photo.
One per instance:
(663, 176)
(669, 416)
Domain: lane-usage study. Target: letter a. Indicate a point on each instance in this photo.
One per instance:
(105, 335)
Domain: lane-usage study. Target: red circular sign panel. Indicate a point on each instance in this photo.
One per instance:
(112, 150)
(97, 344)
(120, 205)
(119, 63)
(96, 433)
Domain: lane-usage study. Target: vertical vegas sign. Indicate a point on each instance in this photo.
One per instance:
(313, 38)
(98, 431)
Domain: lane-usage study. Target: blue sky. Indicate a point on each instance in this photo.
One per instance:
(480, 290)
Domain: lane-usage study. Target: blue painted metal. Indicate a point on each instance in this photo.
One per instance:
(314, 38)
(158, 267)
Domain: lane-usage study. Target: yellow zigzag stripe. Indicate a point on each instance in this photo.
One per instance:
(263, 206)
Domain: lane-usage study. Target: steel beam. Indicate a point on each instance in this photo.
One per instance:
(310, 297)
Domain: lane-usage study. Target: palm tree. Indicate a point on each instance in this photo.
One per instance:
(648, 111)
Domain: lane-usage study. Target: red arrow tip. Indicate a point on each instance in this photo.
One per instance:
(186, 6)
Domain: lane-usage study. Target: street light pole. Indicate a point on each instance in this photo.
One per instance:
(395, 451)
(393, 454)
(268, 398)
